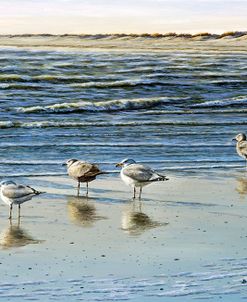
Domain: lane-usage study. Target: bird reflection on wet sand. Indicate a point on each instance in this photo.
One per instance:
(82, 212)
(15, 236)
(135, 222)
(241, 187)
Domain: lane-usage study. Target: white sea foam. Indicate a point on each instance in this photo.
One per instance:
(115, 105)
(70, 124)
(6, 124)
(241, 100)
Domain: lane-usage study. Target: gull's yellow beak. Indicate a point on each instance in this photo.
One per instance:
(119, 165)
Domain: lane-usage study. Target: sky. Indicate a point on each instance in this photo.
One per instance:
(126, 16)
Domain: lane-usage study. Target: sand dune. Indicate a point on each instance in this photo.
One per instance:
(125, 41)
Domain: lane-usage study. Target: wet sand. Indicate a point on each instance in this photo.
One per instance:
(186, 239)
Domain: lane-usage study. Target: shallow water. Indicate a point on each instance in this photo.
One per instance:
(185, 241)
(175, 110)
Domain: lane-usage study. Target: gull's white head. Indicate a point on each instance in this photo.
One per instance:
(240, 137)
(70, 162)
(126, 162)
(6, 183)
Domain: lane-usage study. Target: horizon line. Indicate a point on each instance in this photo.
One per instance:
(145, 34)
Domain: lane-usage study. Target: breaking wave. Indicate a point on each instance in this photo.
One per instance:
(62, 124)
(126, 83)
(236, 101)
(140, 103)
(115, 105)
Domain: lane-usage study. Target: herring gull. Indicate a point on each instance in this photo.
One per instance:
(13, 193)
(82, 171)
(137, 175)
(241, 146)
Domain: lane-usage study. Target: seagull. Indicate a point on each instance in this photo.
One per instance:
(13, 193)
(137, 175)
(82, 171)
(241, 146)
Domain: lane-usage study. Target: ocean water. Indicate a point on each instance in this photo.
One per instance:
(175, 110)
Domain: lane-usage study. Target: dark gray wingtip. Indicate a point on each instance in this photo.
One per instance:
(38, 192)
(163, 178)
(160, 178)
(35, 191)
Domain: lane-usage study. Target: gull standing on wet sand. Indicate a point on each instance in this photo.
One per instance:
(82, 171)
(241, 146)
(12, 193)
(137, 175)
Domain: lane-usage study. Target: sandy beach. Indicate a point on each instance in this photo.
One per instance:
(169, 104)
(186, 239)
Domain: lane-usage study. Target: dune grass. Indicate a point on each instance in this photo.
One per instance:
(173, 35)
(235, 34)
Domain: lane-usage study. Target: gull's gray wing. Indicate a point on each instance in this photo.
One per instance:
(18, 191)
(139, 172)
(80, 169)
(243, 148)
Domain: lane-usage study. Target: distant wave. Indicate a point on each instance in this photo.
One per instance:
(115, 105)
(13, 78)
(117, 145)
(30, 162)
(126, 83)
(62, 124)
(205, 133)
(202, 167)
(181, 168)
(150, 161)
(26, 86)
(33, 84)
(158, 77)
(26, 174)
(241, 100)
(205, 110)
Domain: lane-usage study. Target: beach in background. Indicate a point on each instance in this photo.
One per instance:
(173, 104)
